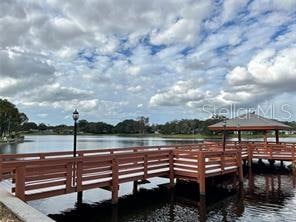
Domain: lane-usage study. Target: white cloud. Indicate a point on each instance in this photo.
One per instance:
(267, 75)
(180, 93)
(110, 58)
(135, 89)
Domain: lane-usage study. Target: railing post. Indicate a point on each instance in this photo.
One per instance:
(114, 181)
(250, 154)
(69, 177)
(20, 174)
(201, 173)
(240, 168)
(145, 166)
(171, 165)
(79, 181)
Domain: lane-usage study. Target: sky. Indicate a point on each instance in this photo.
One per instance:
(165, 59)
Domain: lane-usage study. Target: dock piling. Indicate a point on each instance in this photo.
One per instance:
(202, 178)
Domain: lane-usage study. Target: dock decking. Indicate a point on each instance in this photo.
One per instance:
(42, 175)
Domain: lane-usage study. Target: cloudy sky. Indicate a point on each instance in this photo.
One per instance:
(166, 59)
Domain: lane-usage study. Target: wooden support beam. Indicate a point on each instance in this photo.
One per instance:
(239, 136)
(171, 173)
(250, 154)
(135, 186)
(79, 197)
(240, 167)
(201, 173)
(202, 216)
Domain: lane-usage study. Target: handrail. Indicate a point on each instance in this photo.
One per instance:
(75, 174)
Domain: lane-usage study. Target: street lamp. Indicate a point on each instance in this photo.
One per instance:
(75, 117)
(224, 133)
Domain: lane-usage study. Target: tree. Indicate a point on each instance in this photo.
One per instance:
(29, 126)
(143, 124)
(11, 119)
(42, 127)
(127, 126)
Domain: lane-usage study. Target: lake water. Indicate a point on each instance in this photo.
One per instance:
(63, 143)
(266, 196)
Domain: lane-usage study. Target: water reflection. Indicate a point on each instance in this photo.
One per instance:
(265, 197)
(159, 204)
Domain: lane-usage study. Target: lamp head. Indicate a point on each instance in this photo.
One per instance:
(75, 115)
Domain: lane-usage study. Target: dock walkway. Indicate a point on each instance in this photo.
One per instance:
(41, 175)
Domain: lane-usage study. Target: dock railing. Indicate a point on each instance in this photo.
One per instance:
(41, 178)
(4, 158)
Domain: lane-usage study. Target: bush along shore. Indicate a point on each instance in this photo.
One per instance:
(8, 140)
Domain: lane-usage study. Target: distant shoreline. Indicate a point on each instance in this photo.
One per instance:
(167, 136)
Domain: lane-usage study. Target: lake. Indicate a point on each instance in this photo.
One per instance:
(64, 143)
(266, 196)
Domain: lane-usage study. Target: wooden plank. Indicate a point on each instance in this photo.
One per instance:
(193, 168)
(97, 176)
(120, 173)
(96, 170)
(45, 194)
(186, 174)
(151, 168)
(45, 176)
(45, 185)
(96, 185)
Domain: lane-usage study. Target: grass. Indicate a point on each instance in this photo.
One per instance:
(6, 215)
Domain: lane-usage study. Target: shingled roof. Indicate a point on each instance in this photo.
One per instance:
(249, 122)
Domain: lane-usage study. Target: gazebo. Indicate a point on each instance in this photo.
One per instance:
(250, 122)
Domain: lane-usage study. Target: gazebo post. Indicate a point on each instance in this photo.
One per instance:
(239, 136)
(265, 136)
(277, 136)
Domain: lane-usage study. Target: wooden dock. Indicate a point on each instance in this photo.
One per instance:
(41, 175)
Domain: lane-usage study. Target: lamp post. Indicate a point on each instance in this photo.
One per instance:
(75, 117)
(224, 134)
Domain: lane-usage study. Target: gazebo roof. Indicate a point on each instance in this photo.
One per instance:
(249, 122)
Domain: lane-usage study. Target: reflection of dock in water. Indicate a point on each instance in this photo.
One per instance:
(273, 193)
(160, 204)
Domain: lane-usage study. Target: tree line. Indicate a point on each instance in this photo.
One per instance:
(133, 126)
(12, 122)
(129, 126)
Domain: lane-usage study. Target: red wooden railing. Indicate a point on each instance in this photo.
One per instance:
(41, 178)
(40, 175)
